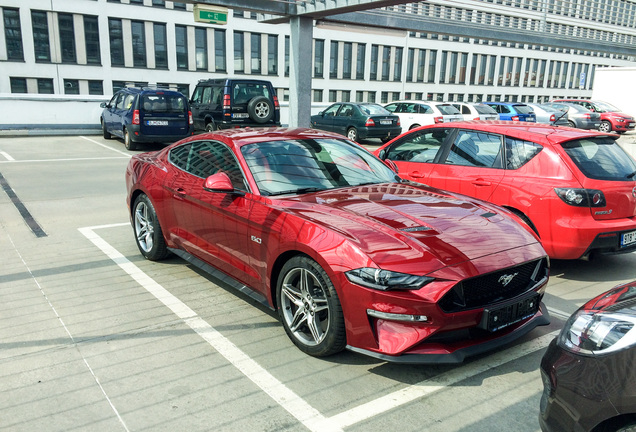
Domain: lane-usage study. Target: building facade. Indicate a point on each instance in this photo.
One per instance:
(95, 47)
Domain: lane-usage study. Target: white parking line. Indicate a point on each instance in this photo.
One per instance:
(286, 398)
(107, 147)
(62, 160)
(6, 156)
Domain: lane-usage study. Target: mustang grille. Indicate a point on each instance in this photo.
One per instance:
(494, 287)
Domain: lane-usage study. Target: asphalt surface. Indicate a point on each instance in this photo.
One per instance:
(94, 337)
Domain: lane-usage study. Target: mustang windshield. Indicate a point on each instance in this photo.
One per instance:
(308, 165)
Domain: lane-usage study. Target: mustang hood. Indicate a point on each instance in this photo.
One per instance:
(396, 224)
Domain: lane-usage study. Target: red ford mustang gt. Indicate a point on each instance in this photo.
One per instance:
(349, 254)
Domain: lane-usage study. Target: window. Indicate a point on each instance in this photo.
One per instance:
(347, 60)
(442, 67)
(397, 65)
(201, 48)
(41, 41)
(421, 65)
(239, 59)
(181, 36)
(479, 149)
(333, 95)
(95, 87)
(601, 158)
(255, 50)
(159, 3)
(161, 45)
(286, 56)
(491, 71)
(432, 60)
(409, 64)
(346, 96)
(91, 35)
(18, 85)
(319, 58)
(317, 95)
(179, 5)
(386, 62)
(67, 37)
(360, 61)
(13, 34)
(71, 86)
(116, 42)
(272, 54)
(420, 146)
(519, 152)
(333, 60)
(45, 85)
(374, 62)
(205, 158)
(219, 50)
(139, 43)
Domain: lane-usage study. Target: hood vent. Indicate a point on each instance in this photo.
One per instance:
(416, 229)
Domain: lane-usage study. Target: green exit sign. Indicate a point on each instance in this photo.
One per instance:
(210, 15)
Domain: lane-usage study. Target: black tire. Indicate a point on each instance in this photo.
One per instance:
(148, 234)
(128, 141)
(571, 124)
(210, 127)
(310, 312)
(414, 126)
(605, 126)
(260, 109)
(352, 134)
(105, 133)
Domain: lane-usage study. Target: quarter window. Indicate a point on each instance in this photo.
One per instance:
(473, 148)
(519, 152)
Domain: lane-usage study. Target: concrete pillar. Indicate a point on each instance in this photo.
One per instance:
(300, 62)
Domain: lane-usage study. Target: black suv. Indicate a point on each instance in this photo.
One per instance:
(141, 115)
(227, 103)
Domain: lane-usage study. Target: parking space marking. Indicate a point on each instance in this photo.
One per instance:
(6, 156)
(128, 155)
(286, 398)
(62, 160)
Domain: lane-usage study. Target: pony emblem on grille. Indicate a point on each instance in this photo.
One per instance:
(506, 279)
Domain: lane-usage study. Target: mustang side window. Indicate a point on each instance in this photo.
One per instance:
(519, 152)
(206, 158)
(420, 146)
(473, 148)
(179, 156)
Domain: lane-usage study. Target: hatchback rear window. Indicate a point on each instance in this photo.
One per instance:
(164, 103)
(447, 109)
(523, 109)
(601, 159)
(485, 109)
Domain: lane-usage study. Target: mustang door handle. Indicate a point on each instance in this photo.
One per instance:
(480, 182)
(417, 174)
(180, 193)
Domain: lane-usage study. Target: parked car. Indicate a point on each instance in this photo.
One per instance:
(612, 119)
(578, 116)
(414, 114)
(358, 121)
(549, 115)
(576, 189)
(588, 371)
(476, 111)
(513, 111)
(316, 227)
(230, 103)
(146, 115)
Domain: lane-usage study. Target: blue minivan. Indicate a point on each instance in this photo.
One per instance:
(146, 115)
(513, 111)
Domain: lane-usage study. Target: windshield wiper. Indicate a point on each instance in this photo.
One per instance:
(297, 191)
(631, 175)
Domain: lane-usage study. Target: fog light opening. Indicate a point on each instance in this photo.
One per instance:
(397, 317)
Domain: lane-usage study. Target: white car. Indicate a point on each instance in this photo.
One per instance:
(476, 111)
(416, 113)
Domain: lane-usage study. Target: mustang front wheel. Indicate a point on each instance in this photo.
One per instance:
(309, 308)
(148, 233)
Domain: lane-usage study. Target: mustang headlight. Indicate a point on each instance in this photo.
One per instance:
(590, 332)
(386, 280)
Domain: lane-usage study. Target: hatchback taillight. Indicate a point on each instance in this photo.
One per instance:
(476, 118)
(135, 119)
(226, 101)
(587, 116)
(514, 118)
(438, 119)
(369, 122)
(552, 118)
(190, 120)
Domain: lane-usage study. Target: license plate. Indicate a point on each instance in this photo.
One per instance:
(499, 318)
(386, 122)
(240, 115)
(157, 122)
(632, 124)
(628, 238)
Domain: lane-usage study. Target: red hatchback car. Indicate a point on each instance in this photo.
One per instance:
(351, 256)
(611, 117)
(575, 188)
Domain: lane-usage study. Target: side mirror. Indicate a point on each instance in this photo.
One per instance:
(219, 182)
(103, 105)
(392, 165)
(382, 154)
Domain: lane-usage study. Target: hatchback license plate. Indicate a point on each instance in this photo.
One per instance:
(240, 115)
(499, 318)
(628, 238)
(157, 122)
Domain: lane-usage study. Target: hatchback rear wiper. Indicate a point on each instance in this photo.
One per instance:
(631, 175)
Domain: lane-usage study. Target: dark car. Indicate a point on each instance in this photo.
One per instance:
(612, 119)
(513, 111)
(358, 121)
(588, 371)
(316, 227)
(230, 103)
(549, 115)
(578, 116)
(146, 115)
